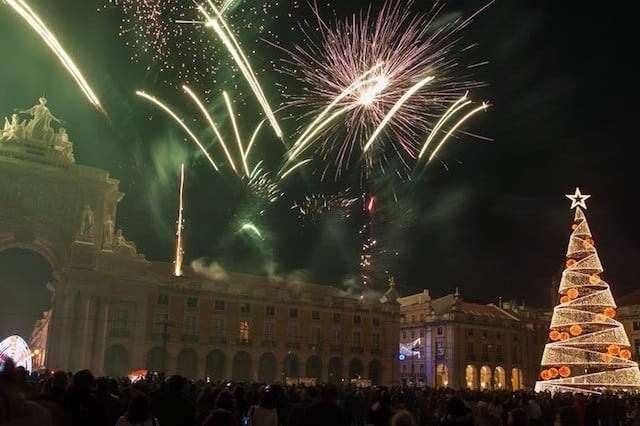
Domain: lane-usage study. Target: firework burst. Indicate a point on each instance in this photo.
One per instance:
(377, 84)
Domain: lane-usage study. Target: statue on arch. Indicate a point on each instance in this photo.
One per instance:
(107, 233)
(13, 130)
(63, 145)
(86, 224)
(122, 246)
(39, 127)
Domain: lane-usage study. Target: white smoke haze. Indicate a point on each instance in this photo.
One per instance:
(213, 271)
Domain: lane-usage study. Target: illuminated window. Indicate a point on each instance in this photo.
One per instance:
(271, 311)
(244, 331)
(192, 302)
(163, 299)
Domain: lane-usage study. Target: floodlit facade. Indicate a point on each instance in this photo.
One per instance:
(465, 345)
(115, 312)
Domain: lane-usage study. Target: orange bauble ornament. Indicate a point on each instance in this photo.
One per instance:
(564, 336)
(625, 354)
(588, 243)
(553, 372)
(572, 293)
(574, 226)
(564, 371)
(595, 279)
(575, 330)
(544, 374)
(614, 350)
(554, 335)
(609, 312)
(564, 299)
(571, 262)
(601, 318)
(606, 357)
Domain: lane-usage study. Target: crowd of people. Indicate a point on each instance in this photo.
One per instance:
(79, 398)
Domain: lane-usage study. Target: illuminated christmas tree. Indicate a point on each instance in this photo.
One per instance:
(588, 350)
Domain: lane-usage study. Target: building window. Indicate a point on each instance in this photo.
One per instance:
(412, 333)
(357, 339)
(337, 317)
(404, 335)
(189, 328)
(120, 320)
(515, 337)
(469, 331)
(316, 335)
(245, 308)
(192, 302)
(218, 305)
(292, 334)
(636, 325)
(357, 319)
(269, 332)
(422, 332)
(315, 315)
(421, 318)
(636, 348)
(499, 352)
(293, 312)
(244, 332)
(516, 355)
(498, 335)
(376, 322)
(337, 336)
(271, 311)
(485, 351)
(484, 334)
(439, 331)
(376, 341)
(218, 328)
(470, 347)
(163, 299)
(413, 319)
(159, 323)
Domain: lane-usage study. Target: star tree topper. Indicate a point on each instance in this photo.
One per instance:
(578, 199)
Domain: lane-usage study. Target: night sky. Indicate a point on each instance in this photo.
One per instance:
(490, 217)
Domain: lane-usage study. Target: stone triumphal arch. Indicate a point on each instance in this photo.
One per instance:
(115, 312)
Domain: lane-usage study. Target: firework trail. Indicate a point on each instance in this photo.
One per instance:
(177, 270)
(36, 23)
(376, 85)
(315, 205)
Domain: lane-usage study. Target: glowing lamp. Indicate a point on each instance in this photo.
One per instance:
(564, 336)
(564, 299)
(625, 354)
(575, 330)
(594, 279)
(564, 371)
(554, 335)
(553, 372)
(606, 357)
(614, 350)
(571, 262)
(572, 293)
(609, 312)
